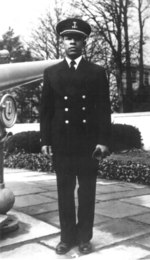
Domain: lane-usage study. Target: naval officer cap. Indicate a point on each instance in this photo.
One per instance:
(73, 26)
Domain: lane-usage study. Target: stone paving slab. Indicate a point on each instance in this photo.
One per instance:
(111, 196)
(39, 209)
(117, 222)
(51, 194)
(117, 230)
(112, 188)
(29, 228)
(139, 200)
(54, 194)
(52, 243)
(118, 209)
(144, 241)
(120, 252)
(46, 186)
(53, 218)
(144, 218)
(109, 233)
(50, 217)
(39, 251)
(134, 185)
(12, 170)
(98, 219)
(40, 178)
(107, 182)
(26, 190)
(30, 200)
(32, 251)
(15, 185)
(27, 177)
(122, 194)
(137, 192)
(51, 182)
(49, 187)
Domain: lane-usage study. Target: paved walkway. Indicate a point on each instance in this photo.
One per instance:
(122, 220)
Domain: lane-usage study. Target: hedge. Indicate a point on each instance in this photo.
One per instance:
(129, 171)
(22, 150)
(31, 161)
(123, 137)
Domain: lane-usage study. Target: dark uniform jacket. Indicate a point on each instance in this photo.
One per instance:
(75, 108)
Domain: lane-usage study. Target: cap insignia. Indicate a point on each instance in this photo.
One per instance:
(74, 26)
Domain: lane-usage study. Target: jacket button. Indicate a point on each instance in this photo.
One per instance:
(66, 109)
(84, 121)
(83, 96)
(66, 121)
(65, 97)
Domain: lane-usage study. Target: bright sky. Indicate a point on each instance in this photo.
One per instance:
(21, 15)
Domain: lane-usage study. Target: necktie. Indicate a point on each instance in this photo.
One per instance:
(72, 67)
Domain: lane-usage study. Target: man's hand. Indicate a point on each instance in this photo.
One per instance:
(46, 150)
(100, 152)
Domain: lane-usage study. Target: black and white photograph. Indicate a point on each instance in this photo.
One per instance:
(74, 129)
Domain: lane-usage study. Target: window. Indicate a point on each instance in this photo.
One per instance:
(134, 76)
(146, 78)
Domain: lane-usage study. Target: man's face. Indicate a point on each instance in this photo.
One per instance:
(73, 45)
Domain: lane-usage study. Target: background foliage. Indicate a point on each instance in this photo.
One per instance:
(23, 150)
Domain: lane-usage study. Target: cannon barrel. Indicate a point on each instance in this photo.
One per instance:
(13, 75)
(17, 74)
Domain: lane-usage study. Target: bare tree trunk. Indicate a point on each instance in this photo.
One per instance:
(141, 65)
(128, 102)
(118, 10)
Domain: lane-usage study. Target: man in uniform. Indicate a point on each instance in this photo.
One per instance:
(75, 123)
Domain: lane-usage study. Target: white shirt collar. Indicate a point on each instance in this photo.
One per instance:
(77, 61)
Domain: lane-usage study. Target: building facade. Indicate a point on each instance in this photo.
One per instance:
(141, 96)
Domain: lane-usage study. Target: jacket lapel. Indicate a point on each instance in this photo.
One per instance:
(71, 84)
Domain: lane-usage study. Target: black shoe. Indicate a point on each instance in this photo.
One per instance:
(62, 248)
(85, 247)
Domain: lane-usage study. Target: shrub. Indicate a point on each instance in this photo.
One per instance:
(29, 142)
(32, 161)
(130, 171)
(125, 137)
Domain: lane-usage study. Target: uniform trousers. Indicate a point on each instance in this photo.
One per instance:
(76, 221)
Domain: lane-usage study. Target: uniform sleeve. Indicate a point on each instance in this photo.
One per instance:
(46, 110)
(104, 111)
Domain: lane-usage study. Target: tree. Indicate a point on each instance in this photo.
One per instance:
(28, 101)
(128, 97)
(114, 42)
(27, 97)
(12, 43)
(107, 21)
(45, 43)
(143, 7)
(112, 23)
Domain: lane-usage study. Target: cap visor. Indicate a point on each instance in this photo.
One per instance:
(66, 32)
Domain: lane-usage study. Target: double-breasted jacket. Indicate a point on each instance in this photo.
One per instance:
(75, 108)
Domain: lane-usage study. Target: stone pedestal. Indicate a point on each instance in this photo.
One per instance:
(7, 223)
